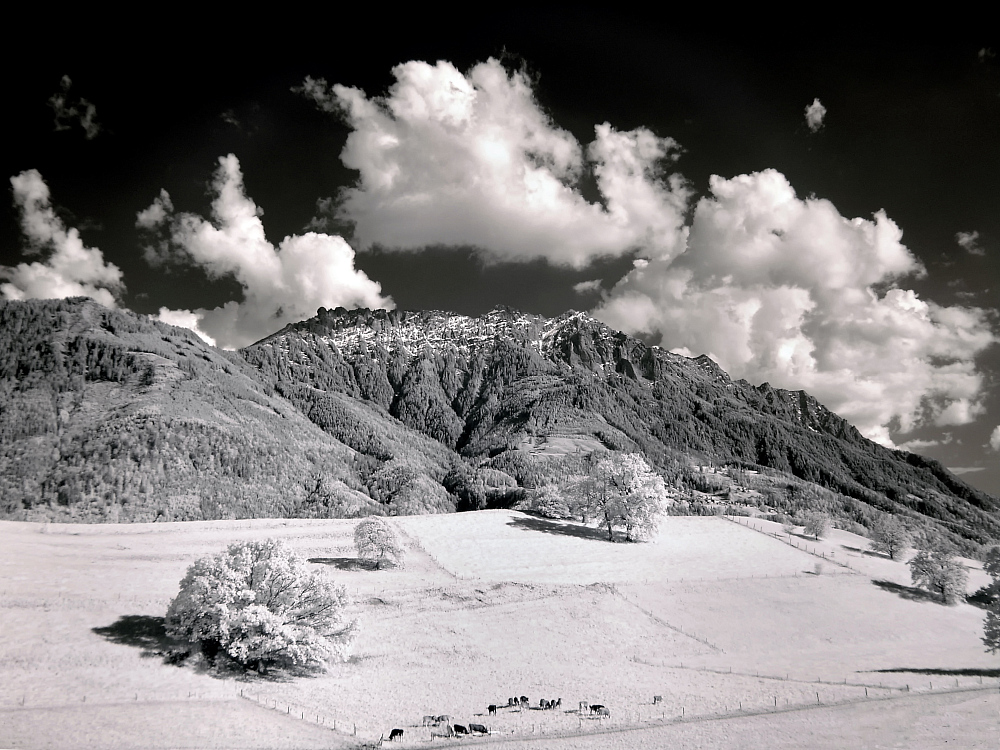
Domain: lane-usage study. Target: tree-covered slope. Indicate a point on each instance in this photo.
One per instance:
(105, 416)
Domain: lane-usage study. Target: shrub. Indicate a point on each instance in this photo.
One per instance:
(259, 604)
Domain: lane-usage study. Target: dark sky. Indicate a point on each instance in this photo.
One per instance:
(911, 128)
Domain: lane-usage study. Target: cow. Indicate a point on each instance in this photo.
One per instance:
(604, 712)
(459, 729)
(395, 734)
(492, 709)
(657, 699)
(543, 704)
(524, 700)
(558, 703)
(595, 708)
(444, 719)
(428, 720)
(584, 706)
(511, 702)
(446, 732)
(478, 728)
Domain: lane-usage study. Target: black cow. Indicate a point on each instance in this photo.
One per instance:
(492, 709)
(595, 707)
(478, 728)
(395, 734)
(558, 703)
(511, 702)
(524, 700)
(459, 729)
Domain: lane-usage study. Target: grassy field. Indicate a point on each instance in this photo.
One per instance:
(734, 626)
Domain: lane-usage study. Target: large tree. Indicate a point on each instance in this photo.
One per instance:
(259, 603)
(625, 492)
(936, 569)
(376, 539)
(890, 536)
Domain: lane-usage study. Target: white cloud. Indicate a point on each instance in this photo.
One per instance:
(68, 268)
(788, 291)
(995, 438)
(815, 113)
(81, 111)
(959, 470)
(453, 159)
(281, 285)
(588, 287)
(184, 319)
(969, 241)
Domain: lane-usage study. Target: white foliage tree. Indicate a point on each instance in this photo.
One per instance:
(627, 493)
(259, 603)
(376, 539)
(936, 569)
(890, 536)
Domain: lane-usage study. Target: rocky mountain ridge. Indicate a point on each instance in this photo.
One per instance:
(108, 415)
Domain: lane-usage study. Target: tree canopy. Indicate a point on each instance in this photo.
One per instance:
(376, 539)
(623, 491)
(259, 603)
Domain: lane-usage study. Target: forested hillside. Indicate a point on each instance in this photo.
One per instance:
(106, 415)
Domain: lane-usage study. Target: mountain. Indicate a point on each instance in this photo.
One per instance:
(108, 415)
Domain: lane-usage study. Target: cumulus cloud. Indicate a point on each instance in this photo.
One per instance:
(447, 158)
(969, 241)
(995, 438)
(68, 268)
(815, 113)
(785, 290)
(69, 112)
(281, 285)
(185, 319)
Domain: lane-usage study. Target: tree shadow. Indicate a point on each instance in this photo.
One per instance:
(561, 528)
(142, 632)
(352, 563)
(967, 672)
(911, 593)
(865, 552)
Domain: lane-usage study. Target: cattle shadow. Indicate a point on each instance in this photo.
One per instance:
(547, 526)
(910, 593)
(966, 672)
(351, 563)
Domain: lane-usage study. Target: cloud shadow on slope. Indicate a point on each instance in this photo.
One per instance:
(546, 526)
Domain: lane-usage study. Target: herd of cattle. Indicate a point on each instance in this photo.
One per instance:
(442, 726)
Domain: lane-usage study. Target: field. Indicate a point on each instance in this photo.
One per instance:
(753, 638)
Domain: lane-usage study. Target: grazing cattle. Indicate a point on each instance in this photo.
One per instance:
(444, 719)
(478, 728)
(459, 729)
(511, 702)
(584, 706)
(558, 703)
(657, 699)
(524, 700)
(428, 720)
(604, 712)
(446, 732)
(492, 709)
(543, 704)
(395, 734)
(595, 707)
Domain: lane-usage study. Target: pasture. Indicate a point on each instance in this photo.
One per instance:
(734, 628)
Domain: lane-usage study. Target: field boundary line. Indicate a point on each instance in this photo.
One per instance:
(777, 678)
(661, 621)
(298, 712)
(776, 536)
